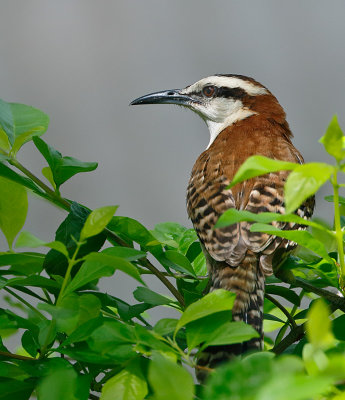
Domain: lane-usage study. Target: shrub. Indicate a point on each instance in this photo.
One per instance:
(80, 343)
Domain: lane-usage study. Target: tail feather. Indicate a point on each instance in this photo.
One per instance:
(248, 282)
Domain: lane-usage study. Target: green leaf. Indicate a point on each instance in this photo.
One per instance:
(262, 377)
(13, 389)
(149, 296)
(283, 291)
(61, 168)
(218, 300)
(169, 233)
(303, 182)
(331, 199)
(113, 340)
(217, 329)
(68, 232)
(129, 384)
(232, 332)
(127, 253)
(34, 280)
(11, 371)
(259, 165)
(21, 123)
(97, 221)
(187, 239)
(13, 208)
(84, 331)
(165, 326)
(303, 238)
(319, 325)
(98, 265)
(179, 262)
(62, 383)
(29, 343)
(27, 239)
(339, 328)
(233, 216)
(169, 380)
(334, 140)
(73, 311)
(132, 230)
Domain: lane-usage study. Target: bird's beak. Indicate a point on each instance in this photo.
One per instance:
(173, 96)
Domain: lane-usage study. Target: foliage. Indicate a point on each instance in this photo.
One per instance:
(80, 343)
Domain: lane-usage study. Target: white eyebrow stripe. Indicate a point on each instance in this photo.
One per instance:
(227, 81)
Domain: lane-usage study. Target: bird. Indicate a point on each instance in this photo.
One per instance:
(244, 119)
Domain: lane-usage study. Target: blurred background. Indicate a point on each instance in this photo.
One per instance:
(83, 61)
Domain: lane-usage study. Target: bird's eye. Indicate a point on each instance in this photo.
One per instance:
(209, 91)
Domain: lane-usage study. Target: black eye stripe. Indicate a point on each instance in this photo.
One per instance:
(235, 93)
(226, 92)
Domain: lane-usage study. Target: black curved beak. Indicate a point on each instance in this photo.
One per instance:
(173, 96)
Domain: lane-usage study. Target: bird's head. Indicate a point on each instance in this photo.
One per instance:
(220, 100)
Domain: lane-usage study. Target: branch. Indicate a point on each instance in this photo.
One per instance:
(294, 335)
(63, 203)
(16, 356)
(146, 263)
(334, 299)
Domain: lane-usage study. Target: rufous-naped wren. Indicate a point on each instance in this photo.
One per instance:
(244, 119)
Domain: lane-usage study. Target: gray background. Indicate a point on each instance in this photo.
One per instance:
(83, 61)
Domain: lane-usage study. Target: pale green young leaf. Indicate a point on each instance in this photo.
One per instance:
(97, 221)
(233, 216)
(303, 238)
(319, 330)
(333, 140)
(4, 142)
(259, 165)
(47, 173)
(218, 300)
(303, 182)
(169, 380)
(27, 239)
(13, 208)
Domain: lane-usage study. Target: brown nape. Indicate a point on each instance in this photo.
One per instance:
(268, 107)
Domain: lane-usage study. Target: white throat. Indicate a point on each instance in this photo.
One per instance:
(216, 127)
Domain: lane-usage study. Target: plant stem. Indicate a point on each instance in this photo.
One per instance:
(282, 308)
(56, 198)
(146, 263)
(71, 262)
(16, 356)
(338, 231)
(24, 302)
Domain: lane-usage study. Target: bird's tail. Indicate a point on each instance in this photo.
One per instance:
(248, 282)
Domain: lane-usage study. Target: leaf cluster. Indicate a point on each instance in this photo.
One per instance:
(78, 343)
